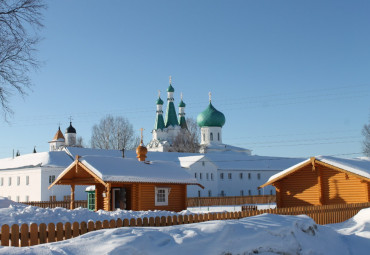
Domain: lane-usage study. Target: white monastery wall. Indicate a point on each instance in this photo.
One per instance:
(21, 185)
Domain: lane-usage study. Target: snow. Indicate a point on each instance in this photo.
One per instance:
(132, 170)
(51, 159)
(263, 234)
(240, 161)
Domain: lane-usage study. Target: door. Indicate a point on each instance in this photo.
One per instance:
(118, 198)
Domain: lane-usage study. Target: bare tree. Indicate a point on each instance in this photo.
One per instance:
(187, 140)
(20, 22)
(114, 133)
(80, 142)
(366, 142)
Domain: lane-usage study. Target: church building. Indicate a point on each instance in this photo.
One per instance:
(166, 130)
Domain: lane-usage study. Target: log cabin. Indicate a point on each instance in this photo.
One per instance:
(127, 183)
(323, 180)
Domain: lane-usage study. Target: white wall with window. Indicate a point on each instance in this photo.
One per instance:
(31, 184)
(205, 172)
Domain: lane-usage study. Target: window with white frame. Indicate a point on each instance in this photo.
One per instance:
(222, 193)
(258, 176)
(207, 176)
(199, 193)
(203, 163)
(249, 192)
(249, 176)
(27, 180)
(10, 181)
(221, 176)
(209, 193)
(230, 176)
(259, 192)
(27, 198)
(195, 174)
(17, 199)
(212, 176)
(200, 176)
(18, 181)
(161, 196)
(242, 193)
(241, 175)
(51, 179)
(1, 181)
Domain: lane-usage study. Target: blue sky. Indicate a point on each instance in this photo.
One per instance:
(291, 77)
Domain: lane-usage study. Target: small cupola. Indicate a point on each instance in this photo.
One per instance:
(141, 150)
(70, 129)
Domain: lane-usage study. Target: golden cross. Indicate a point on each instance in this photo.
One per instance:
(181, 96)
(210, 96)
(159, 93)
(170, 80)
(141, 129)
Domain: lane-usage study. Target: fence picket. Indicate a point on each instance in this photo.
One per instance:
(67, 230)
(90, 226)
(98, 225)
(42, 233)
(24, 235)
(5, 235)
(112, 223)
(105, 224)
(75, 229)
(119, 223)
(139, 222)
(145, 222)
(132, 222)
(51, 233)
(83, 227)
(14, 236)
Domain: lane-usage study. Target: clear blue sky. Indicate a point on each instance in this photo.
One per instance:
(291, 77)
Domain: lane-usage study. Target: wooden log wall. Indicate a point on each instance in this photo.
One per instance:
(29, 235)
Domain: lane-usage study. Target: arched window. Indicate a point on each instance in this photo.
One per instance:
(211, 137)
(199, 193)
(218, 136)
(204, 137)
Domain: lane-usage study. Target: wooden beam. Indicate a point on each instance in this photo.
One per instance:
(80, 181)
(72, 196)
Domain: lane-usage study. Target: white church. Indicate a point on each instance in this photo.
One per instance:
(223, 170)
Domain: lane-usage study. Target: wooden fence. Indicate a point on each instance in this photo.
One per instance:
(211, 201)
(191, 201)
(34, 234)
(53, 204)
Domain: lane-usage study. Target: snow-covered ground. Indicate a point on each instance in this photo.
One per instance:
(263, 234)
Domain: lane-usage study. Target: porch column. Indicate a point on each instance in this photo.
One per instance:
(72, 197)
(108, 198)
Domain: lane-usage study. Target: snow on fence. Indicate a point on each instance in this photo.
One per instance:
(34, 234)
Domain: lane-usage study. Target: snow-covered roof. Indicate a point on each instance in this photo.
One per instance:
(241, 161)
(359, 166)
(51, 159)
(151, 155)
(118, 169)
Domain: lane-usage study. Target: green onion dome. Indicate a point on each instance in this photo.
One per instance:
(182, 104)
(170, 88)
(159, 101)
(210, 117)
